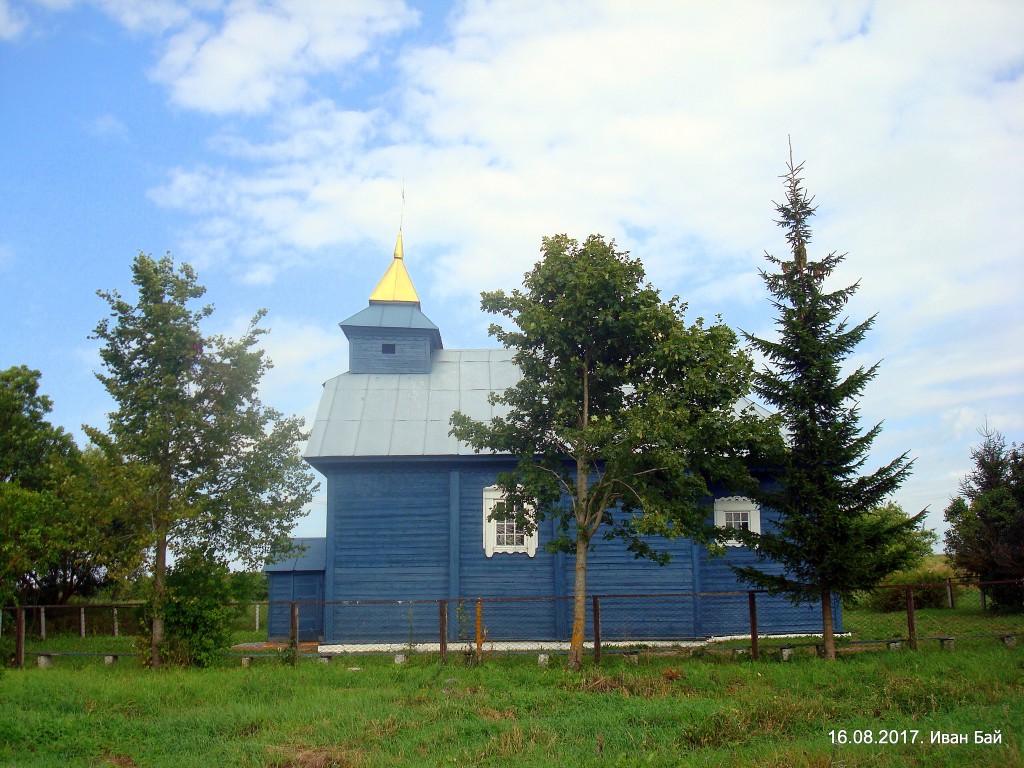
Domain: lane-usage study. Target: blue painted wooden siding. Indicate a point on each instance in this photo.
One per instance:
(389, 542)
(505, 574)
(413, 531)
(411, 355)
(298, 586)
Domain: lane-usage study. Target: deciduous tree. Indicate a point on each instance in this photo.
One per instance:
(624, 415)
(221, 472)
(61, 534)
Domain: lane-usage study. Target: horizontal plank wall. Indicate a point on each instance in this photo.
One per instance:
(507, 575)
(413, 531)
(390, 543)
(410, 352)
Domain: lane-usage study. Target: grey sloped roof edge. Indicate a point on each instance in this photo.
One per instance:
(390, 316)
(409, 414)
(380, 415)
(313, 557)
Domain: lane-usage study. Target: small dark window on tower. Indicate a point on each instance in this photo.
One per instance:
(387, 349)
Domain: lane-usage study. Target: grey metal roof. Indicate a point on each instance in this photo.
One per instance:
(393, 315)
(408, 414)
(390, 316)
(312, 558)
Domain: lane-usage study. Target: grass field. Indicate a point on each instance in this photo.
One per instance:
(665, 711)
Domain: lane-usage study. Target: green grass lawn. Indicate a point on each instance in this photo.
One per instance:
(666, 711)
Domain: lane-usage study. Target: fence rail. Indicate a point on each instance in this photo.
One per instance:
(891, 616)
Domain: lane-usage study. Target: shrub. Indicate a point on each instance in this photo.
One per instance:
(198, 614)
(930, 590)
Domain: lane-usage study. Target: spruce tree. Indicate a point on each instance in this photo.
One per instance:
(986, 522)
(828, 539)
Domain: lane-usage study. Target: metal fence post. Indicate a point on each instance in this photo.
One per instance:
(19, 637)
(755, 650)
(597, 631)
(443, 629)
(911, 625)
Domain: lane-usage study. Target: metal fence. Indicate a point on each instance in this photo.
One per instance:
(744, 621)
(747, 621)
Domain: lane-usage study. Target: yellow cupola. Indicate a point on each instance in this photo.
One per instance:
(396, 285)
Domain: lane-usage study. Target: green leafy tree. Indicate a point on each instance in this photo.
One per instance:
(624, 415)
(918, 544)
(60, 533)
(216, 470)
(986, 522)
(29, 448)
(93, 538)
(828, 539)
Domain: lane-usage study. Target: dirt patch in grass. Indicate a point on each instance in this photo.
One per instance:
(627, 685)
(118, 761)
(496, 715)
(315, 757)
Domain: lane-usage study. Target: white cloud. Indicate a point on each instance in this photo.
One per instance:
(12, 21)
(151, 16)
(108, 126)
(256, 55)
(663, 125)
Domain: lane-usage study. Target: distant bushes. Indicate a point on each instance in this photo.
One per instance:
(930, 590)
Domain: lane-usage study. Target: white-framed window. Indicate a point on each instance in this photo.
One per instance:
(504, 535)
(737, 512)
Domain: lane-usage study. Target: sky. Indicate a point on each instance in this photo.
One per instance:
(268, 144)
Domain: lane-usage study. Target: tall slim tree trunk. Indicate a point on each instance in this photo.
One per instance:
(827, 634)
(159, 594)
(583, 532)
(579, 605)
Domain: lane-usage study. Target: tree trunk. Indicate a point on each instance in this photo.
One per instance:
(828, 637)
(579, 606)
(159, 595)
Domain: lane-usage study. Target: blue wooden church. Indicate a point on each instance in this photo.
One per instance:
(408, 512)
